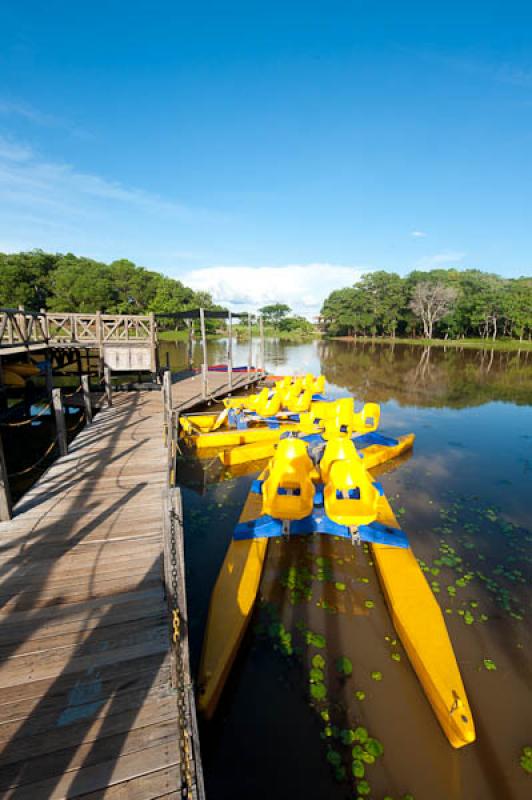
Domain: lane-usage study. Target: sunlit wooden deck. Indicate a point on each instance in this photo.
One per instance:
(87, 707)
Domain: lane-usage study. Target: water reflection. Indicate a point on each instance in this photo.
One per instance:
(463, 497)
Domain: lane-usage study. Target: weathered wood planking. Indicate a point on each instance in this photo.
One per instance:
(86, 703)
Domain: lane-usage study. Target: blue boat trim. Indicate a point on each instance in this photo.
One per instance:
(266, 527)
(367, 439)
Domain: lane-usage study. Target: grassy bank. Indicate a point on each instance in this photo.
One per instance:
(241, 333)
(471, 344)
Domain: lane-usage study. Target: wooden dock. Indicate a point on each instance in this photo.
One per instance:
(188, 393)
(89, 705)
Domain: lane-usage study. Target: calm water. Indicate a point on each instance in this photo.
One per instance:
(464, 498)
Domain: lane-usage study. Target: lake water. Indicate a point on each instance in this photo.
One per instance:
(464, 496)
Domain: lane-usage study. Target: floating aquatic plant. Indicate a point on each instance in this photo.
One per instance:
(396, 656)
(376, 675)
(526, 759)
(369, 604)
(358, 769)
(361, 735)
(490, 665)
(318, 661)
(340, 586)
(318, 691)
(360, 695)
(344, 666)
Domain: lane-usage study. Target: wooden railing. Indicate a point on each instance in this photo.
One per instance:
(21, 329)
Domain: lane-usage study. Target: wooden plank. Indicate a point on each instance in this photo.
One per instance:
(83, 755)
(102, 775)
(156, 785)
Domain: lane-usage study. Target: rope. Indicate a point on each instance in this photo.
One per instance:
(77, 423)
(43, 410)
(36, 464)
(75, 392)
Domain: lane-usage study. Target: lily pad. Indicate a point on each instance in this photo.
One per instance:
(360, 695)
(334, 758)
(526, 759)
(363, 787)
(344, 666)
(374, 747)
(358, 769)
(361, 735)
(339, 586)
(396, 656)
(490, 665)
(318, 661)
(347, 736)
(318, 691)
(316, 676)
(357, 752)
(376, 675)
(369, 603)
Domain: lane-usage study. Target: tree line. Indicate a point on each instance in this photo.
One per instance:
(58, 282)
(437, 304)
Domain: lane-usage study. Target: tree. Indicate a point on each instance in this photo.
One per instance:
(274, 313)
(431, 302)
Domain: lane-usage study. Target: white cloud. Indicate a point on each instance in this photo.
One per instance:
(301, 286)
(440, 259)
(418, 234)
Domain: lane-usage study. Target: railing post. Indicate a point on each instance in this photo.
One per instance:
(171, 446)
(6, 509)
(107, 374)
(250, 348)
(99, 342)
(205, 367)
(190, 359)
(59, 411)
(230, 353)
(86, 389)
(22, 324)
(45, 324)
(49, 377)
(260, 365)
(167, 403)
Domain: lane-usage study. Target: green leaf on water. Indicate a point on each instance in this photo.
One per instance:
(360, 695)
(374, 747)
(361, 735)
(340, 773)
(334, 758)
(358, 769)
(396, 656)
(340, 586)
(369, 603)
(316, 675)
(490, 665)
(347, 736)
(318, 691)
(363, 787)
(526, 759)
(344, 666)
(325, 715)
(318, 661)
(357, 752)
(376, 675)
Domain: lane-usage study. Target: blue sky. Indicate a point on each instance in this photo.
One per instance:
(268, 150)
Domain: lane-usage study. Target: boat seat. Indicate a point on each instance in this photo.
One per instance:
(288, 491)
(337, 449)
(367, 419)
(350, 496)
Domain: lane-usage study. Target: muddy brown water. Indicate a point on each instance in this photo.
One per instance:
(464, 497)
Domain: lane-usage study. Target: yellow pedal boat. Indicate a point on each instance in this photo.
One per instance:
(413, 608)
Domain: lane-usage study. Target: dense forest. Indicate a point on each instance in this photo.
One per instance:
(440, 304)
(69, 283)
